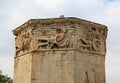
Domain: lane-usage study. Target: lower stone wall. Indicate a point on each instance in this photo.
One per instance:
(53, 67)
(67, 67)
(22, 69)
(89, 68)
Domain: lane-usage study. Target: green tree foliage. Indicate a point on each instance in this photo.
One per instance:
(5, 78)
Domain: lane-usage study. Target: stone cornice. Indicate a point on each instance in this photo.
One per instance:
(56, 21)
(49, 50)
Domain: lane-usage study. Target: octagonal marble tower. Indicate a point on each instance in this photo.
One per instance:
(60, 50)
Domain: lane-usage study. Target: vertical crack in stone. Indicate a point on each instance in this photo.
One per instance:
(87, 77)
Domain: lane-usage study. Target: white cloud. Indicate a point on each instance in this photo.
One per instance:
(112, 65)
(112, 14)
(49, 4)
(6, 65)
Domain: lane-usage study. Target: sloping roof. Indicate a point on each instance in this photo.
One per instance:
(56, 21)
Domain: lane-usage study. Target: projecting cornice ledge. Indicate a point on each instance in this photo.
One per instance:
(48, 21)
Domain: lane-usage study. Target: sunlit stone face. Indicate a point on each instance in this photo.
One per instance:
(60, 50)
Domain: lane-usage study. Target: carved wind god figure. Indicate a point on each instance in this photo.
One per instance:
(63, 38)
(60, 40)
(92, 40)
(23, 42)
(45, 42)
(66, 38)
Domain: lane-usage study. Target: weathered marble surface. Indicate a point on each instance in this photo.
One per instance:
(60, 50)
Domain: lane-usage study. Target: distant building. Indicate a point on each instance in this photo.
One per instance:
(60, 50)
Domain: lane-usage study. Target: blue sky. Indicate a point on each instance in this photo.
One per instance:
(13, 13)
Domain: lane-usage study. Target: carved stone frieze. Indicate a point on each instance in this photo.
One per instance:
(92, 40)
(61, 37)
(70, 37)
(62, 34)
(23, 42)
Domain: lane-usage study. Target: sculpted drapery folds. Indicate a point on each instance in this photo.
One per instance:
(90, 39)
(64, 36)
(23, 42)
(61, 39)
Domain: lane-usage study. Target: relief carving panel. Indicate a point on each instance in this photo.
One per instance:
(94, 40)
(61, 37)
(23, 42)
(65, 36)
(83, 38)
